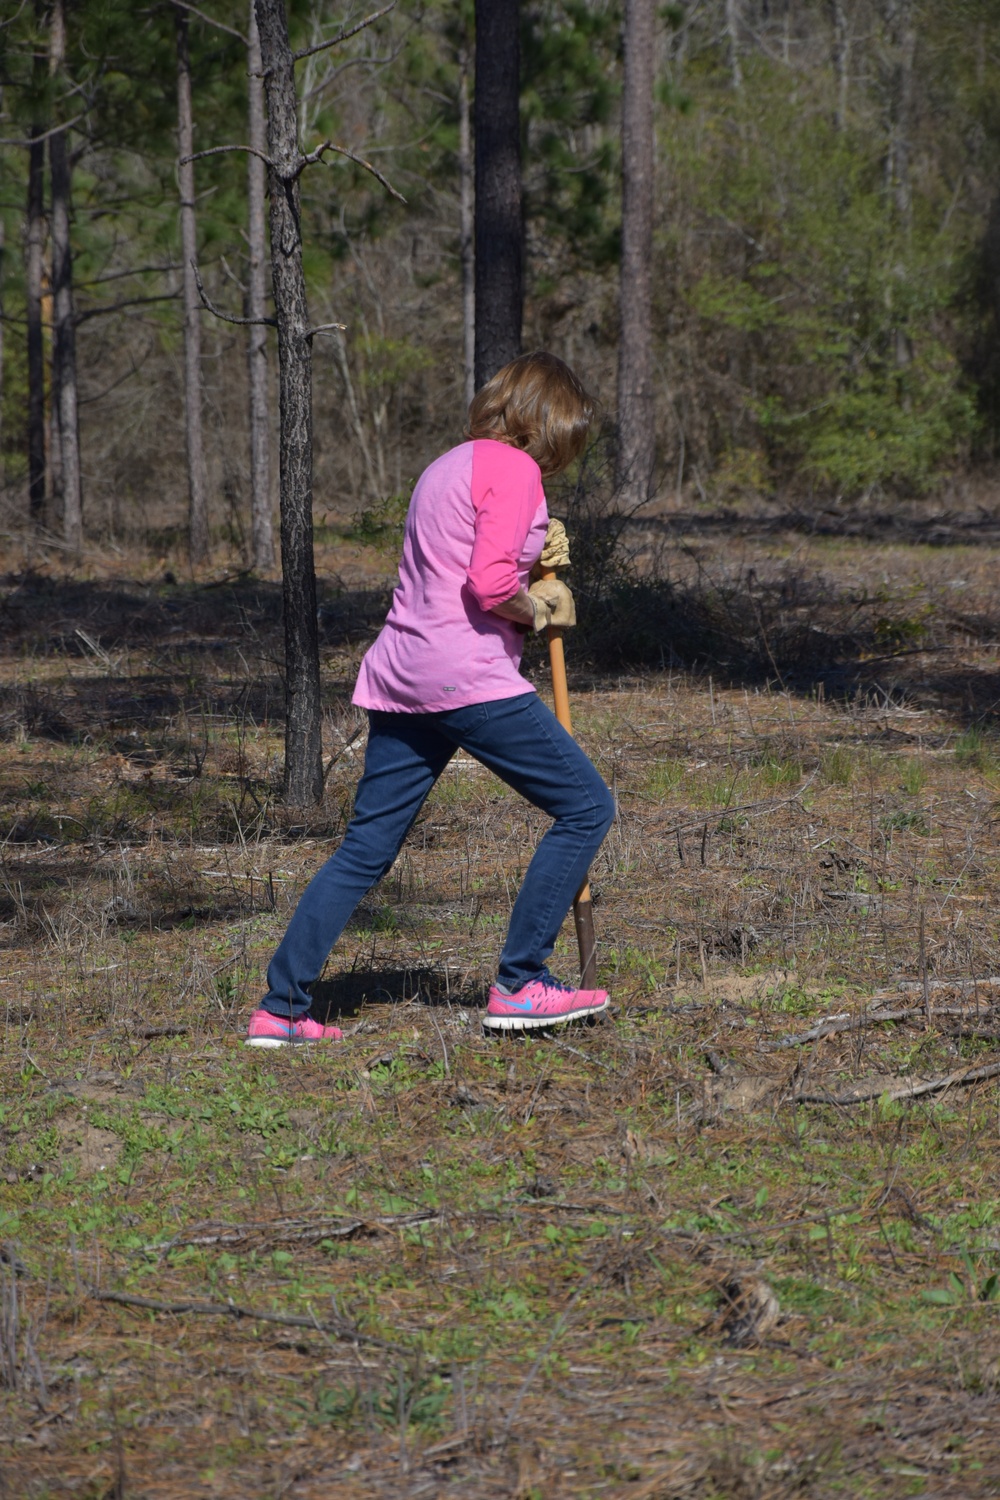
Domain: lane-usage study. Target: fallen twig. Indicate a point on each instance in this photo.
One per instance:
(864, 1018)
(836, 1024)
(945, 984)
(771, 805)
(596, 1061)
(297, 1231)
(960, 1079)
(337, 1330)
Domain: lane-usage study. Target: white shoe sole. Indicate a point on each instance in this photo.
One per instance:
(529, 1023)
(270, 1041)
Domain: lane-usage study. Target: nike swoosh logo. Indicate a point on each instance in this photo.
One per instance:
(517, 1004)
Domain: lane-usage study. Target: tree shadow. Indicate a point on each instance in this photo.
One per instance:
(97, 618)
(757, 619)
(158, 652)
(913, 523)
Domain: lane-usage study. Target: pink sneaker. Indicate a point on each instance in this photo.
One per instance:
(543, 1002)
(266, 1030)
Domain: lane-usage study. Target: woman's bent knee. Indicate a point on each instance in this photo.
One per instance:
(604, 815)
(594, 816)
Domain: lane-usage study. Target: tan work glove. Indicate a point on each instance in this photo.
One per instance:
(555, 553)
(558, 602)
(541, 614)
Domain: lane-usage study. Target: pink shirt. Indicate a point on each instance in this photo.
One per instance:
(475, 526)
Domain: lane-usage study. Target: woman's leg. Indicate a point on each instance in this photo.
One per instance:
(524, 743)
(405, 756)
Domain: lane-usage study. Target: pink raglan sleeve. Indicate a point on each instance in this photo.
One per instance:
(506, 494)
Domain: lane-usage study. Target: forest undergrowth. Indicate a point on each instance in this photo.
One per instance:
(427, 1262)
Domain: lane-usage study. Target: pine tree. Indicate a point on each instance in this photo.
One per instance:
(499, 229)
(636, 449)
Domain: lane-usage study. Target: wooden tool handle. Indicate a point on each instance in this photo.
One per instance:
(583, 906)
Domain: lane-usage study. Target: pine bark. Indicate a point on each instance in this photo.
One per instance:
(898, 61)
(34, 274)
(733, 22)
(499, 225)
(467, 226)
(898, 70)
(636, 452)
(303, 712)
(261, 527)
(3, 267)
(68, 490)
(197, 480)
(841, 59)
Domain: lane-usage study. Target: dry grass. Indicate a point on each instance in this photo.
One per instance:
(510, 1252)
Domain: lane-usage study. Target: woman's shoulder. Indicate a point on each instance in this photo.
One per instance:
(454, 466)
(504, 458)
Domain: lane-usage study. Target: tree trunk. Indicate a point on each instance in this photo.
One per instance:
(902, 40)
(261, 528)
(499, 226)
(733, 38)
(35, 270)
(841, 59)
(69, 494)
(636, 415)
(467, 227)
(197, 482)
(3, 267)
(303, 717)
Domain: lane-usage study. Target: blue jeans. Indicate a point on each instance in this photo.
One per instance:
(522, 741)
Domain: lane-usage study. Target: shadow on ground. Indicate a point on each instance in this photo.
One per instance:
(842, 628)
(341, 996)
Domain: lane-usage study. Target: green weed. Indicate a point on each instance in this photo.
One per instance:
(662, 776)
(904, 819)
(913, 776)
(838, 766)
(976, 749)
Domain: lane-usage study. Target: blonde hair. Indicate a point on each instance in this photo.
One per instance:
(535, 403)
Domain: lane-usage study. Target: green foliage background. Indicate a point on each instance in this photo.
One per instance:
(814, 338)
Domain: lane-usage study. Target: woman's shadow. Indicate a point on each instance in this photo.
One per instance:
(341, 996)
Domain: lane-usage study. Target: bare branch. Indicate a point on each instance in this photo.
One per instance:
(123, 275)
(221, 150)
(326, 328)
(226, 317)
(351, 31)
(44, 135)
(317, 155)
(13, 18)
(355, 62)
(133, 369)
(219, 25)
(100, 312)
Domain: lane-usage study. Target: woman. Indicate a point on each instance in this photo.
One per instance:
(443, 675)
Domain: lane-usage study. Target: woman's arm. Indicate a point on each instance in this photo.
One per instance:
(518, 608)
(506, 496)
